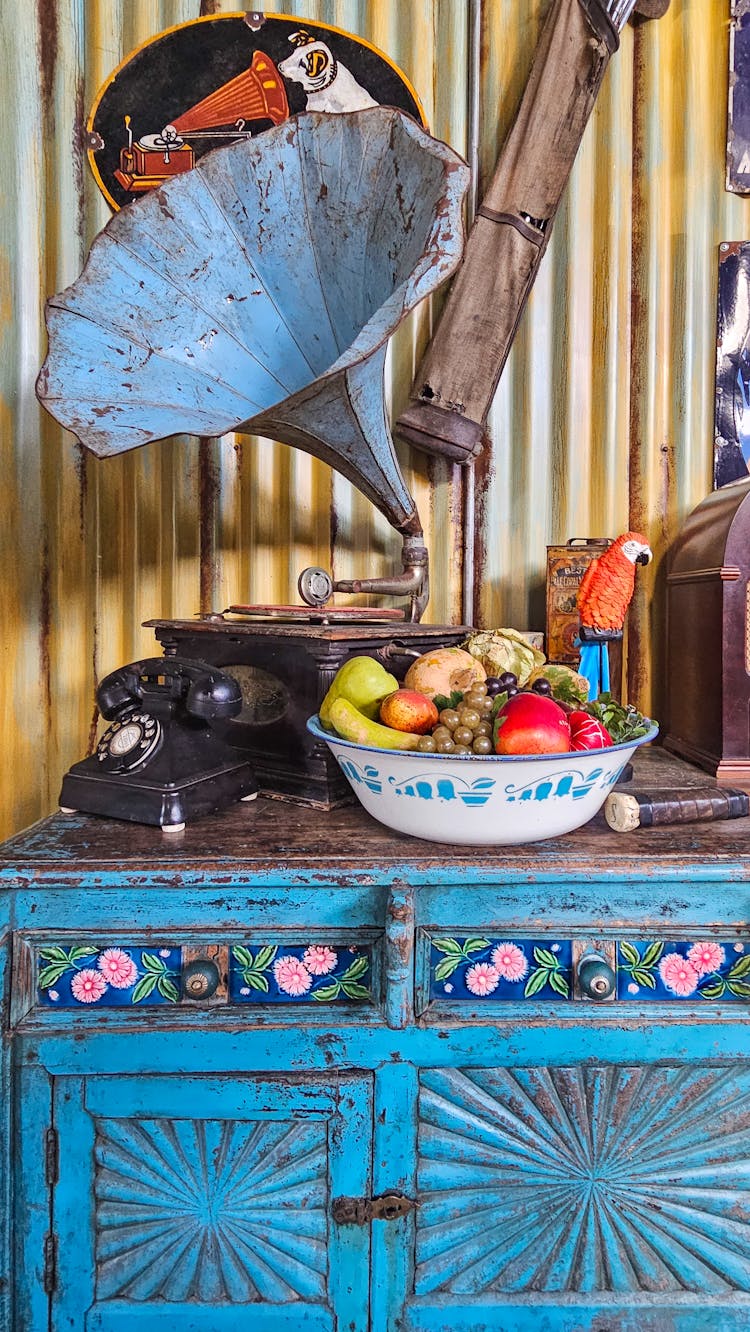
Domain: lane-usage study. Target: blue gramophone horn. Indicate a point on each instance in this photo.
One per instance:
(258, 292)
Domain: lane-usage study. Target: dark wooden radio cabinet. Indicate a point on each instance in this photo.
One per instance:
(708, 642)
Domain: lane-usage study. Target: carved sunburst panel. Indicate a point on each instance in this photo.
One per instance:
(214, 1211)
(584, 1179)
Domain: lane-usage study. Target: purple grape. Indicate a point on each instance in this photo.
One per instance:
(542, 686)
(493, 686)
(508, 680)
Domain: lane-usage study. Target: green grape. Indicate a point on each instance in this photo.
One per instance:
(449, 718)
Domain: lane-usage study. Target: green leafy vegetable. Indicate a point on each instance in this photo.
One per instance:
(623, 722)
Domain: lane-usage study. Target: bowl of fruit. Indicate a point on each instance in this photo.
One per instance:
(475, 759)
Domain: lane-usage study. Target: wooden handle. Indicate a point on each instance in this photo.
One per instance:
(626, 810)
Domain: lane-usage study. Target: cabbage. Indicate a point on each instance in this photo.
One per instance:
(502, 650)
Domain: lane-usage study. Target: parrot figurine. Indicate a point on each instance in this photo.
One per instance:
(603, 598)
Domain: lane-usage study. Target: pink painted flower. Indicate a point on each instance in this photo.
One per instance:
(482, 978)
(319, 959)
(118, 968)
(292, 976)
(678, 974)
(510, 961)
(706, 957)
(88, 986)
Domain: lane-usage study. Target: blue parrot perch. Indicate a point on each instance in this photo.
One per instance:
(594, 666)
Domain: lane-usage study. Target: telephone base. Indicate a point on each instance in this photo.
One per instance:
(137, 799)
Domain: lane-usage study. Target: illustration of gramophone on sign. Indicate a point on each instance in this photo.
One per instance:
(223, 78)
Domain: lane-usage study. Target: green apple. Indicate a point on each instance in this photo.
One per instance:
(361, 681)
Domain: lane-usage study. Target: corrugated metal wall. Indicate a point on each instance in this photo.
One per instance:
(603, 418)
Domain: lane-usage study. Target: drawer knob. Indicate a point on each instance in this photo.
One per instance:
(200, 979)
(596, 977)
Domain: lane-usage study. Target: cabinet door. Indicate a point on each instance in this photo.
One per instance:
(583, 1197)
(197, 1203)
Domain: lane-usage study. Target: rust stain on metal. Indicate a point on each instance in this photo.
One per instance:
(637, 675)
(483, 474)
(208, 497)
(78, 149)
(45, 619)
(46, 15)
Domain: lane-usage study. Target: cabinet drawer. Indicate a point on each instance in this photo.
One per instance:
(482, 969)
(280, 970)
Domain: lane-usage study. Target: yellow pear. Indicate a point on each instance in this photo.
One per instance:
(351, 724)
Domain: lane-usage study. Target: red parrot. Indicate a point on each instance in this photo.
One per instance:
(603, 598)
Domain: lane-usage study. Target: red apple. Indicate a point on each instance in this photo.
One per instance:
(531, 723)
(408, 710)
(586, 732)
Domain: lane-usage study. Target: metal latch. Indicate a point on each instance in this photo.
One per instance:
(361, 1211)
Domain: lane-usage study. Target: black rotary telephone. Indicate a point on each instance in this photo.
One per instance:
(160, 761)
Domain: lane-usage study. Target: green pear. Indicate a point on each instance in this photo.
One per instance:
(361, 681)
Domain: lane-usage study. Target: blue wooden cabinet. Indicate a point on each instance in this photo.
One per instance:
(286, 1070)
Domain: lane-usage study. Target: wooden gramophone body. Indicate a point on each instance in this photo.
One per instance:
(708, 637)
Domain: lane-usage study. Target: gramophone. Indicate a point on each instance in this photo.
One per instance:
(257, 94)
(258, 293)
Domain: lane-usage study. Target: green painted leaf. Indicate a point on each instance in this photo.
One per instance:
(327, 993)
(739, 968)
(447, 967)
(559, 983)
(264, 957)
(642, 977)
(358, 968)
(447, 946)
(53, 954)
(255, 981)
(653, 953)
(243, 956)
(545, 958)
(631, 954)
(153, 963)
(82, 950)
(474, 945)
(355, 991)
(51, 974)
(713, 991)
(739, 988)
(537, 981)
(144, 987)
(167, 989)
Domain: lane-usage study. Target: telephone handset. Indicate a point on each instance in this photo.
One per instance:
(142, 697)
(160, 761)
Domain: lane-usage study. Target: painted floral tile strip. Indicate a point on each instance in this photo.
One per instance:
(689, 969)
(300, 973)
(481, 968)
(110, 977)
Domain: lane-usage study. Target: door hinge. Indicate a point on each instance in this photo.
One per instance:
(50, 1263)
(360, 1211)
(51, 1156)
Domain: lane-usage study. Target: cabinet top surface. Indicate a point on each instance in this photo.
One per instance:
(269, 839)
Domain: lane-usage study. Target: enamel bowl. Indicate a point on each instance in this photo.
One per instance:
(492, 800)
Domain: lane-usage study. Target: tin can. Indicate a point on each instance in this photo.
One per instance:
(566, 566)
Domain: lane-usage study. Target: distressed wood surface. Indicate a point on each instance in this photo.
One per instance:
(270, 838)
